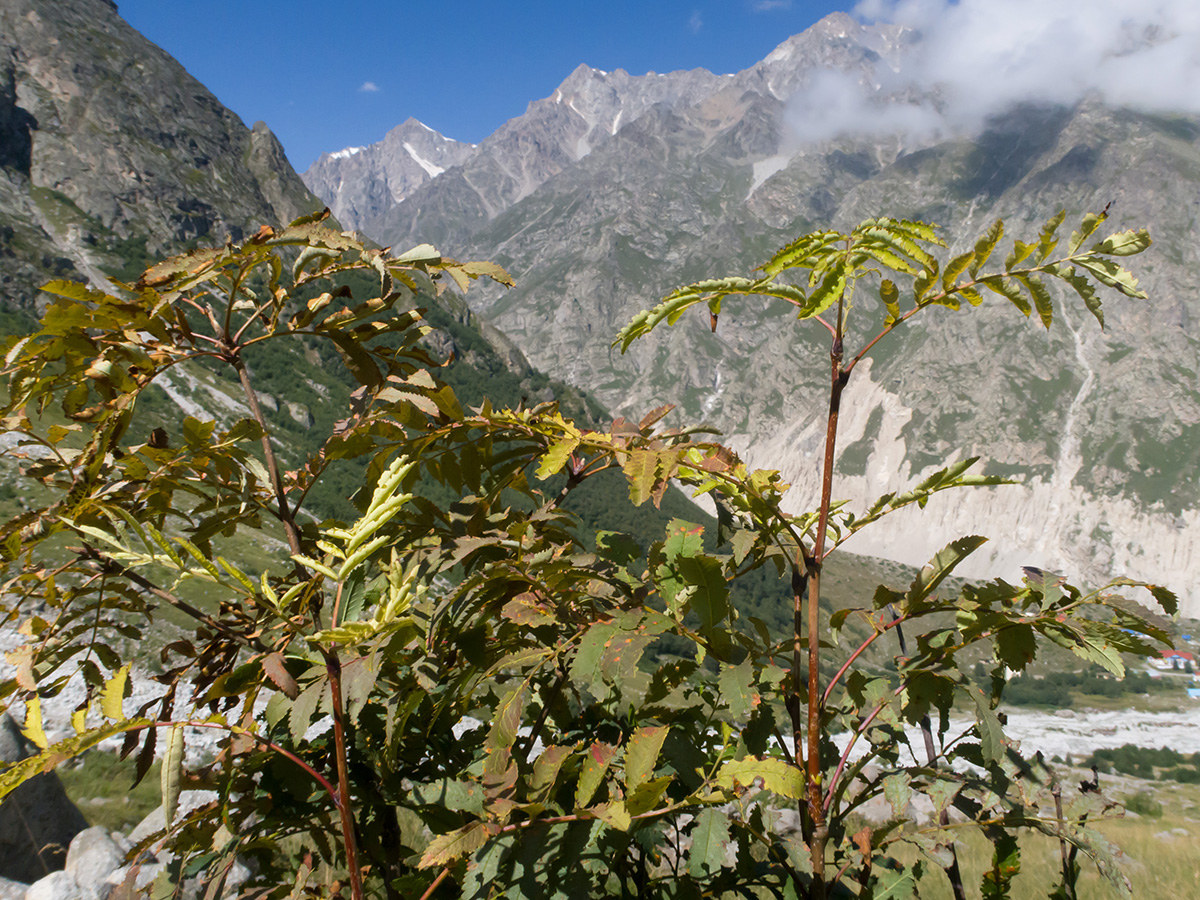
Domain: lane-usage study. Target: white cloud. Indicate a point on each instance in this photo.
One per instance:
(368, 87)
(979, 57)
(835, 103)
(695, 22)
(771, 5)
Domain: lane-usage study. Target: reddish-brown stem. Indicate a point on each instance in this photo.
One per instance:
(853, 656)
(799, 586)
(333, 665)
(337, 607)
(825, 325)
(433, 887)
(858, 732)
(816, 806)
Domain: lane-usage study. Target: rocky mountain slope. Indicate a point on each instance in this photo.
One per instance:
(106, 142)
(110, 153)
(599, 215)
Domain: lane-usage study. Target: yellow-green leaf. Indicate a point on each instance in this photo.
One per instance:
(33, 723)
(641, 754)
(775, 775)
(556, 457)
(456, 844)
(111, 700)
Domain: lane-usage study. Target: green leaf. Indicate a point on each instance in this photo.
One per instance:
(647, 795)
(503, 732)
(678, 301)
(303, 708)
(356, 358)
(489, 270)
(1087, 228)
(956, 267)
(197, 433)
(596, 760)
(889, 295)
(736, 684)
(827, 293)
(991, 736)
(614, 815)
(900, 236)
(897, 789)
(895, 881)
(1016, 645)
(985, 245)
(683, 539)
(806, 252)
(617, 547)
(545, 772)
(1109, 273)
(1006, 863)
(425, 254)
(1020, 253)
(710, 836)
(710, 599)
(1005, 287)
(354, 595)
(449, 793)
(641, 754)
(1046, 240)
(742, 543)
(1041, 297)
(33, 728)
(1084, 289)
(586, 666)
(944, 562)
(1123, 243)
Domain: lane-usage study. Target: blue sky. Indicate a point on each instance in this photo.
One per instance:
(325, 75)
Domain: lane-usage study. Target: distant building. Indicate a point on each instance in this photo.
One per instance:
(1174, 659)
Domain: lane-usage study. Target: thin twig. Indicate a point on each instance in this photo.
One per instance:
(433, 887)
(333, 666)
(112, 567)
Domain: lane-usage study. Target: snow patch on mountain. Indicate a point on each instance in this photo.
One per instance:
(434, 171)
(764, 169)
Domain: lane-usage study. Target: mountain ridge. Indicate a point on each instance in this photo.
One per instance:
(1101, 425)
(90, 160)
